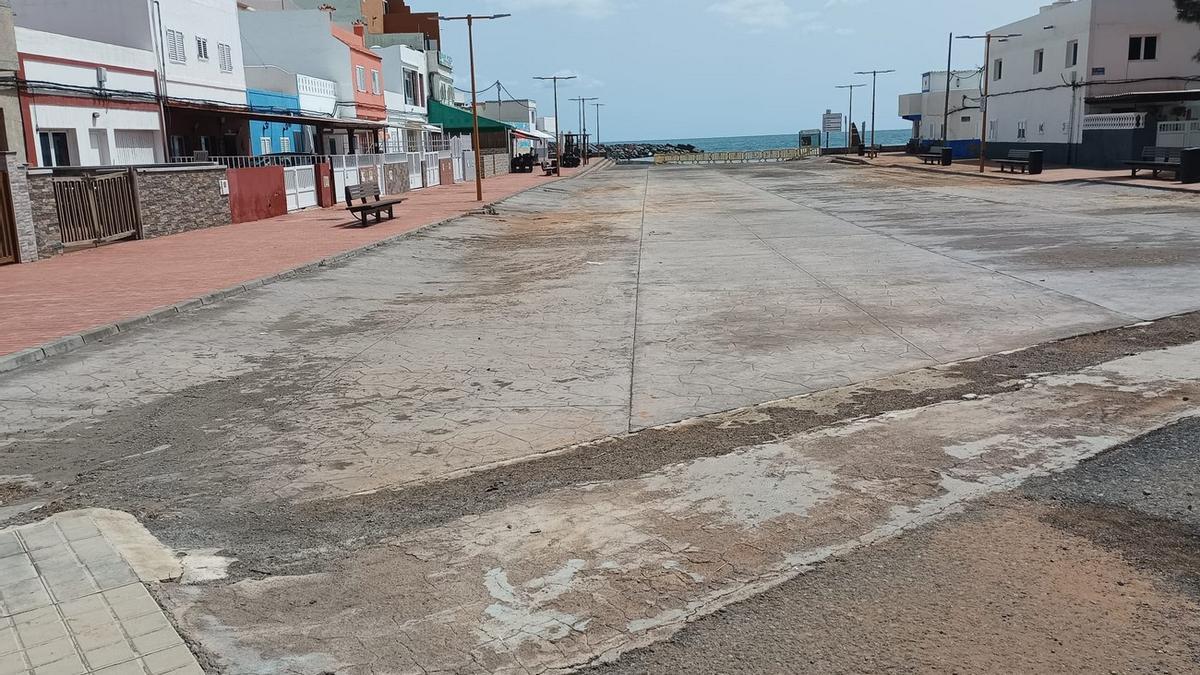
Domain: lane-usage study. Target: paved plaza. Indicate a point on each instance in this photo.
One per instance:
(457, 452)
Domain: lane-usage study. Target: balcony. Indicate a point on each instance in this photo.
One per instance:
(911, 106)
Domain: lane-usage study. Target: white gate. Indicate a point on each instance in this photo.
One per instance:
(416, 177)
(1183, 134)
(432, 169)
(300, 184)
(457, 147)
(345, 170)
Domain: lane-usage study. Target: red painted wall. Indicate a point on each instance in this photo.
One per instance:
(367, 104)
(325, 185)
(256, 193)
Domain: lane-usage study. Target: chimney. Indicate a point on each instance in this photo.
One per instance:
(359, 29)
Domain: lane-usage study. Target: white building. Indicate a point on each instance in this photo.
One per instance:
(405, 70)
(927, 110)
(88, 103)
(1091, 82)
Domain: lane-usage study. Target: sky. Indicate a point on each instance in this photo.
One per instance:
(707, 68)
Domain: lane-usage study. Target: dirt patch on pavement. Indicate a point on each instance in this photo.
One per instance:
(999, 590)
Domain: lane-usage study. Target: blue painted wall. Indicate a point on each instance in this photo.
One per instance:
(273, 101)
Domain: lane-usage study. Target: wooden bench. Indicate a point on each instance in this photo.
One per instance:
(550, 167)
(1017, 159)
(934, 156)
(370, 202)
(1158, 160)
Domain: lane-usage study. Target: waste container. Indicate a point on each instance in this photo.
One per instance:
(947, 156)
(862, 150)
(1189, 166)
(1036, 162)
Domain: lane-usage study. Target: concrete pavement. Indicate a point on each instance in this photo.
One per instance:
(417, 410)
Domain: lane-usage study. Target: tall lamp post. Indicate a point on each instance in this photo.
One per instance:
(598, 106)
(874, 76)
(987, 80)
(557, 123)
(583, 103)
(849, 128)
(471, 19)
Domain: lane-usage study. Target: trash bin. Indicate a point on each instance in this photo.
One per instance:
(947, 156)
(1189, 166)
(862, 150)
(1036, 162)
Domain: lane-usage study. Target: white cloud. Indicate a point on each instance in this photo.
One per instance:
(590, 8)
(760, 15)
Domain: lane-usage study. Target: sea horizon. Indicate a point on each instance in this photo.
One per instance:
(768, 141)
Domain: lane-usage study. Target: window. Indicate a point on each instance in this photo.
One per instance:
(998, 70)
(410, 87)
(1039, 61)
(421, 90)
(1022, 129)
(225, 55)
(56, 149)
(375, 82)
(965, 118)
(285, 144)
(1072, 53)
(201, 48)
(1042, 129)
(993, 129)
(175, 50)
(264, 144)
(1143, 48)
(360, 77)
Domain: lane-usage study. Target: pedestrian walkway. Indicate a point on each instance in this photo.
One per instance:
(72, 293)
(70, 604)
(969, 167)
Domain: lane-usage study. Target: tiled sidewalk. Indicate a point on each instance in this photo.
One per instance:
(72, 293)
(70, 604)
(966, 167)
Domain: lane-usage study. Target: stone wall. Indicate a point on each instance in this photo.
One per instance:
(496, 165)
(44, 214)
(18, 181)
(172, 200)
(178, 200)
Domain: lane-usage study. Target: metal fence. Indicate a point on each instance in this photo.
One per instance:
(250, 161)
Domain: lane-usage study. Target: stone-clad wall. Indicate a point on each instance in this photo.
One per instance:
(44, 214)
(496, 165)
(178, 200)
(172, 200)
(19, 184)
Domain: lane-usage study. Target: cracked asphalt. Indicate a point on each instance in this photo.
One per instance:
(405, 415)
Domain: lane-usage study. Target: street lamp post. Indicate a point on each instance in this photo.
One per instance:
(598, 106)
(849, 128)
(557, 122)
(583, 103)
(874, 75)
(470, 19)
(987, 80)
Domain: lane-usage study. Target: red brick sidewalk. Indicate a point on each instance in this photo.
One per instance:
(65, 295)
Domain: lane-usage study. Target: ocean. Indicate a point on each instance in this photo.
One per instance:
(775, 141)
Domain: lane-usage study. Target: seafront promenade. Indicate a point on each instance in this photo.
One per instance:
(576, 424)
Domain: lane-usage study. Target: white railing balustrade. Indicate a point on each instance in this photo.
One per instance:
(1114, 121)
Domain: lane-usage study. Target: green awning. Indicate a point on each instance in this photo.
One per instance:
(458, 120)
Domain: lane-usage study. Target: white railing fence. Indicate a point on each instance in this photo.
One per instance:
(251, 161)
(735, 157)
(1114, 121)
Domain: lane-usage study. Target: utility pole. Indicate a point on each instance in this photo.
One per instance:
(557, 122)
(850, 121)
(470, 19)
(946, 114)
(987, 80)
(874, 75)
(583, 103)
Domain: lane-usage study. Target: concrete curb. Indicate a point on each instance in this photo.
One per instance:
(70, 343)
(1166, 187)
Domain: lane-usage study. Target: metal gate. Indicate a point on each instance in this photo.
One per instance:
(96, 209)
(8, 223)
(433, 173)
(300, 185)
(416, 176)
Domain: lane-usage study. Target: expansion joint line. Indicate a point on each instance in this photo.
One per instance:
(637, 296)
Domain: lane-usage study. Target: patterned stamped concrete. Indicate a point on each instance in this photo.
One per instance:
(70, 604)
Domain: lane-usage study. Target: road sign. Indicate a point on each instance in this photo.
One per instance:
(831, 123)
